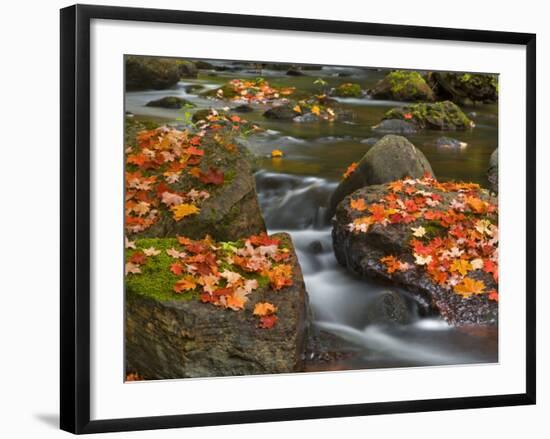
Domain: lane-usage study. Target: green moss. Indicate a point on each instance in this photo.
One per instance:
(348, 90)
(156, 280)
(439, 115)
(408, 85)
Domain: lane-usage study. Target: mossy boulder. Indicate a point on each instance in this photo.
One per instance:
(203, 65)
(187, 69)
(492, 173)
(465, 88)
(444, 115)
(172, 102)
(282, 112)
(391, 158)
(230, 212)
(170, 335)
(144, 73)
(361, 254)
(347, 90)
(403, 85)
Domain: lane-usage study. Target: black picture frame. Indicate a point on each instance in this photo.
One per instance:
(75, 217)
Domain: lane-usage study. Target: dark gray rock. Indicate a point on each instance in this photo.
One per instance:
(391, 158)
(168, 339)
(389, 308)
(281, 112)
(243, 109)
(360, 253)
(394, 126)
(465, 88)
(172, 102)
(450, 143)
(144, 73)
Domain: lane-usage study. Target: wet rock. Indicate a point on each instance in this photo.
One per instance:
(360, 253)
(187, 69)
(172, 102)
(315, 247)
(389, 308)
(328, 352)
(179, 338)
(492, 173)
(307, 117)
(436, 116)
(347, 90)
(204, 65)
(391, 158)
(403, 85)
(243, 109)
(231, 211)
(448, 142)
(192, 88)
(395, 126)
(294, 72)
(465, 88)
(144, 73)
(281, 112)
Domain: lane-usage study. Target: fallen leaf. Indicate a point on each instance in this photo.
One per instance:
(276, 153)
(268, 322)
(358, 204)
(185, 284)
(182, 210)
(264, 309)
(469, 287)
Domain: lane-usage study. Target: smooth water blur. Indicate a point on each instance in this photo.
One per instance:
(294, 191)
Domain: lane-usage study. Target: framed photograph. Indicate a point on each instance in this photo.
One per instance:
(274, 218)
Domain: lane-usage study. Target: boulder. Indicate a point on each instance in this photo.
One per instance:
(144, 73)
(243, 109)
(172, 102)
(187, 69)
(444, 115)
(394, 126)
(281, 112)
(363, 251)
(347, 90)
(169, 335)
(403, 85)
(388, 308)
(193, 88)
(492, 173)
(391, 158)
(450, 143)
(465, 88)
(231, 210)
(294, 72)
(204, 65)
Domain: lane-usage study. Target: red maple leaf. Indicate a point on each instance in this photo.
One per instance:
(213, 176)
(268, 322)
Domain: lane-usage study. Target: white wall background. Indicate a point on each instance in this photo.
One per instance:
(29, 220)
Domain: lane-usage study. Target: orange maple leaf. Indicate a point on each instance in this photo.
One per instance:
(358, 204)
(469, 287)
(264, 309)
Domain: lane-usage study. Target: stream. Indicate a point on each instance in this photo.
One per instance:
(294, 191)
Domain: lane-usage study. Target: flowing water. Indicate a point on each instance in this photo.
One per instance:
(294, 193)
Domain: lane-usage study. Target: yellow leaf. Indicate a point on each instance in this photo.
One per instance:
(316, 110)
(182, 210)
(276, 153)
(264, 309)
(461, 265)
(297, 109)
(469, 286)
(185, 284)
